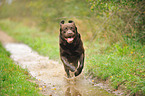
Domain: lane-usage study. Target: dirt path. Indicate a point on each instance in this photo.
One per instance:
(49, 72)
(4, 38)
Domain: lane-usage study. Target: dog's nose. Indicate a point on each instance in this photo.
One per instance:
(70, 32)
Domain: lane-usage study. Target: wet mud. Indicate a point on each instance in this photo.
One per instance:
(52, 74)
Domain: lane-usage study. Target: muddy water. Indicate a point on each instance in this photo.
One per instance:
(52, 74)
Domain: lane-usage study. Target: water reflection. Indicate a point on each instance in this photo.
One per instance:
(80, 86)
(71, 87)
(71, 91)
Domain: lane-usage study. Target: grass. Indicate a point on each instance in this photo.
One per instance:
(44, 43)
(14, 80)
(122, 64)
(115, 54)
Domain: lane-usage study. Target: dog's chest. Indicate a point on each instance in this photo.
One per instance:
(71, 52)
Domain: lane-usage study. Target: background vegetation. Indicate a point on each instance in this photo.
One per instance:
(112, 31)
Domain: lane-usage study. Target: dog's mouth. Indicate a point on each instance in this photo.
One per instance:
(70, 39)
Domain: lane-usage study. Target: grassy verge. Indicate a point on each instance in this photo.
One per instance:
(122, 64)
(14, 80)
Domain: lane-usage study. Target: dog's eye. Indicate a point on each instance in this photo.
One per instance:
(71, 27)
(66, 28)
(64, 32)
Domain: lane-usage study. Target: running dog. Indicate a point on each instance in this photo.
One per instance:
(71, 48)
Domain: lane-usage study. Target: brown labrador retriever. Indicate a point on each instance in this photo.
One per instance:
(71, 48)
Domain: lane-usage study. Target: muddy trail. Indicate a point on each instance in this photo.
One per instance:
(50, 73)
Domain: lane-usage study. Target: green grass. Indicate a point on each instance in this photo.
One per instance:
(14, 80)
(44, 43)
(115, 54)
(123, 64)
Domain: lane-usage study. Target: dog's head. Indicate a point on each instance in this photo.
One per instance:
(68, 30)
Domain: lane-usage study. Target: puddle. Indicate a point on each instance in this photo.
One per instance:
(52, 74)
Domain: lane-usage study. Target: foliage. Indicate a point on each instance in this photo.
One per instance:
(14, 80)
(44, 12)
(129, 13)
(112, 31)
(114, 19)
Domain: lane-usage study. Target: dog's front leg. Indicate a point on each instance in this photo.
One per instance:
(81, 60)
(67, 64)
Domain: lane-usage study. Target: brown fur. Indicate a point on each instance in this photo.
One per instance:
(71, 48)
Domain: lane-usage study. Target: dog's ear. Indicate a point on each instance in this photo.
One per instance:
(70, 21)
(62, 22)
(76, 29)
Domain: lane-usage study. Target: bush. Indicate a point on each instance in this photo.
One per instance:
(120, 19)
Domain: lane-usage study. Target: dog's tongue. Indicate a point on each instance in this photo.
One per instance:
(70, 40)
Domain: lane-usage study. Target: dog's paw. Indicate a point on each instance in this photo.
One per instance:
(72, 68)
(78, 72)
